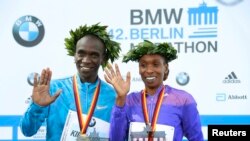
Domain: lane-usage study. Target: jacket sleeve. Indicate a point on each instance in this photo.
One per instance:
(191, 123)
(119, 124)
(33, 119)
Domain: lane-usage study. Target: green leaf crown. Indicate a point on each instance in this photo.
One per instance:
(112, 48)
(146, 48)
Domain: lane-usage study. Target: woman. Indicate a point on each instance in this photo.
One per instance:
(159, 111)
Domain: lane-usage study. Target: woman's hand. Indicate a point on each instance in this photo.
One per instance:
(121, 86)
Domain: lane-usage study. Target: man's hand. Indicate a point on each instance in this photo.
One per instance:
(40, 94)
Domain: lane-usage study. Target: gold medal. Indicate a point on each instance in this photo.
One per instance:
(149, 128)
(83, 137)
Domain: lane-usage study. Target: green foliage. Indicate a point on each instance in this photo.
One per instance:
(147, 47)
(112, 47)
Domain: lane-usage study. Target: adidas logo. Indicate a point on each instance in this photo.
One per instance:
(231, 78)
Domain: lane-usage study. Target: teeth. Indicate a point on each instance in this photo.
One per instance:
(150, 78)
(85, 68)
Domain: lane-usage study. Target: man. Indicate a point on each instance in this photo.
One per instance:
(57, 101)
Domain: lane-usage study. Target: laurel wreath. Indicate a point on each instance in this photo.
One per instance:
(147, 47)
(112, 48)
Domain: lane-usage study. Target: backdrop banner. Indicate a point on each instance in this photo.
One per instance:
(211, 37)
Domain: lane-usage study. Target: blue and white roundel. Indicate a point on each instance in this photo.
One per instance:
(182, 78)
(28, 31)
(30, 78)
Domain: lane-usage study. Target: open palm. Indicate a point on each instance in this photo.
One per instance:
(121, 86)
(40, 94)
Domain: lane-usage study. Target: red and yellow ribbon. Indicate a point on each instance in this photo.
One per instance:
(156, 111)
(84, 125)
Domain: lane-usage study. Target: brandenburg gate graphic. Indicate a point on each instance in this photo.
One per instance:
(143, 135)
(207, 14)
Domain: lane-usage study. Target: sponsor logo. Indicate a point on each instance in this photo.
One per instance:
(28, 31)
(133, 79)
(99, 107)
(92, 123)
(231, 78)
(229, 2)
(30, 78)
(182, 78)
(227, 97)
(190, 30)
(206, 24)
(221, 97)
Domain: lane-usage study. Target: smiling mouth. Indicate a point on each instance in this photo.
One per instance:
(85, 68)
(150, 79)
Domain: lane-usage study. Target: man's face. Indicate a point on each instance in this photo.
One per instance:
(152, 69)
(88, 57)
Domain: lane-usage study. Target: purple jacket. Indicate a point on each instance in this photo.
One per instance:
(178, 109)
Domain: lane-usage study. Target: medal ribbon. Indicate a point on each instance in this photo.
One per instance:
(156, 111)
(84, 125)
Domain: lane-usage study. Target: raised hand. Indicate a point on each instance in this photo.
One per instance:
(121, 86)
(40, 94)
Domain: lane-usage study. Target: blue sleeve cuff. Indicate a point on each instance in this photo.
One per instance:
(35, 108)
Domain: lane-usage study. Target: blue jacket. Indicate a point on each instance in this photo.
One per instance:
(55, 114)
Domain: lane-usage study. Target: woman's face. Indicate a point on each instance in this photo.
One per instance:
(152, 69)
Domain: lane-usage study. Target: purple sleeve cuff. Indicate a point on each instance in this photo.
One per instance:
(119, 124)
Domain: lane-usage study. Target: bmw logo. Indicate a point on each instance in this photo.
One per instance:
(229, 2)
(92, 122)
(182, 78)
(28, 31)
(31, 77)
